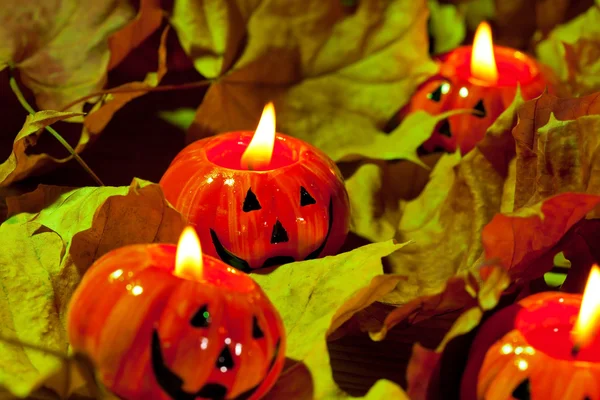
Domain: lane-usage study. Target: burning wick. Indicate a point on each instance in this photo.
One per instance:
(588, 320)
(483, 61)
(188, 259)
(260, 150)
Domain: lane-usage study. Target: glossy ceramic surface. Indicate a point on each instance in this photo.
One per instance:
(153, 335)
(296, 210)
(454, 88)
(527, 353)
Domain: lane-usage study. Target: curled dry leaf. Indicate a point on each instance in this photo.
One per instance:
(572, 50)
(50, 239)
(316, 297)
(109, 104)
(147, 21)
(446, 26)
(557, 146)
(60, 47)
(477, 294)
(447, 218)
(21, 162)
(336, 73)
(376, 188)
(524, 241)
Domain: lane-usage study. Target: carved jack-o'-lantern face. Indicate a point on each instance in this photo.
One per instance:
(462, 130)
(152, 335)
(455, 88)
(521, 348)
(297, 210)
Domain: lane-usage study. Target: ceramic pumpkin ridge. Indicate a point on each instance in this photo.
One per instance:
(153, 335)
(524, 352)
(455, 88)
(297, 209)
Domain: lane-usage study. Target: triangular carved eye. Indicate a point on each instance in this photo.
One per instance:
(441, 90)
(257, 333)
(305, 197)
(521, 392)
(251, 202)
(445, 128)
(202, 318)
(481, 108)
(225, 359)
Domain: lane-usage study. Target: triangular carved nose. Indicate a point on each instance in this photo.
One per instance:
(279, 234)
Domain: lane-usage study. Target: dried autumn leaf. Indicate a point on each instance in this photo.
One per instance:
(376, 189)
(316, 297)
(335, 72)
(445, 222)
(573, 52)
(476, 294)
(523, 241)
(446, 219)
(446, 26)
(20, 163)
(109, 104)
(50, 239)
(60, 47)
(557, 154)
(147, 21)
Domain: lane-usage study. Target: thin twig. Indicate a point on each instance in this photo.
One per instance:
(17, 342)
(164, 88)
(17, 91)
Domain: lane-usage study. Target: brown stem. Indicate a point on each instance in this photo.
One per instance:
(164, 88)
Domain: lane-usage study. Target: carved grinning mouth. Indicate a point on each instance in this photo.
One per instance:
(239, 263)
(172, 384)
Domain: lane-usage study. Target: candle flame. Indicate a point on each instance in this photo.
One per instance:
(188, 260)
(588, 321)
(483, 62)
(260, 150)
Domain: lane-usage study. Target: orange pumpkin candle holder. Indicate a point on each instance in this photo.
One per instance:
(538, 349)
(157, 330)
(483, 78)
(258, 211)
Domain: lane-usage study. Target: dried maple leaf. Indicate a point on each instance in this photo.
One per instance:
(573, 50)
(475, 291)
(445, 221)
(20, 163)
(446, 26)
(524, 241)
(60, 47)
(316, 297)
(51, 237)
(147, 21)
(335, 72)
(109, 104)
(557, 145)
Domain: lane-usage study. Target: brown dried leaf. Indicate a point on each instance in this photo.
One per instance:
(573, 50)
(52, 237)
(104, 110)
(336, 72)
(60, 47)
(557, 154)
(523, 241)
(147, 21)
(316, 297)
(477, 294)
(447, 218)
(20, 162)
